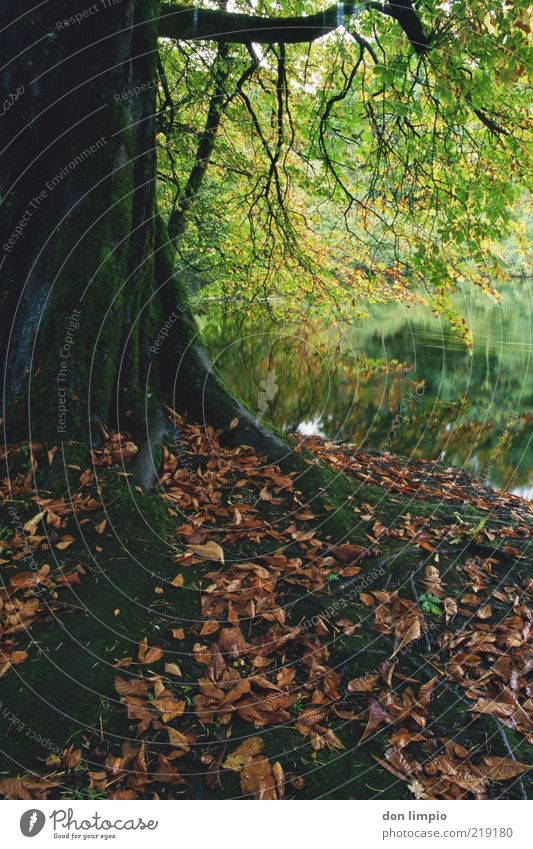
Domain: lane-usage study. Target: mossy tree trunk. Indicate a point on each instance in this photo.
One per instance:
(94, 326)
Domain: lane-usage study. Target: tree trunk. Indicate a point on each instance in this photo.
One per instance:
(94, 326)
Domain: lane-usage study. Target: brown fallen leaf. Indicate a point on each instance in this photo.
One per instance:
(502, 769)
(149, 655)
(376, 717)
(25, 580)
(232, 643)
(166, 773)
(65, 542)
(208, 551)
(131, 686)
(244, 754)
(413, 633)
(12, 788)
(450, 608)
(178, 581)
(364, 684)
(170, 708)
(70, 580)
(347, 552)
(173, 669)
(367, 599)
(257, 780)
(178, 740)
(209, 627)
(71, 757)
(279, 777)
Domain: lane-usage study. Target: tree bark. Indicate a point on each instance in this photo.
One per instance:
(79, 224)
(95, 327)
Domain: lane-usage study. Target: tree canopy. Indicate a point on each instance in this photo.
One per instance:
(364, 148)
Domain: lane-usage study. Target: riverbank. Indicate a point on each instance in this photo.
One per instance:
(337, 625)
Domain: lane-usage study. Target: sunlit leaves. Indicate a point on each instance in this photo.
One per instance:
(414, 169)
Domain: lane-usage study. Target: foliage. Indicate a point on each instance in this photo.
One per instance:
(352, 166)
(360, 383)
(236, 667)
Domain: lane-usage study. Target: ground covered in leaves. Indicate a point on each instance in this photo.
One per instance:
(338, 625)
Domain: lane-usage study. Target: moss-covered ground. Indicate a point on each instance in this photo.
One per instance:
(64, 693)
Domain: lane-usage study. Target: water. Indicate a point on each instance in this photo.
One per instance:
(400, 380)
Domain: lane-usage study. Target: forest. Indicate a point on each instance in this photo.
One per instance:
(267, 349)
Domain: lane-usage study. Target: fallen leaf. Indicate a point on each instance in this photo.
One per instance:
(244, 754)
(178, 581)
(65, 542)
(177, 739)
(173, 669)
(208, 551)
(209, 627)
(149, 655)
(364, 684)
(502, 769)
(31, 525)
(413, 633)
(257, 780)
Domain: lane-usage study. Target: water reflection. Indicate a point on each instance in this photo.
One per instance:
(400, 380)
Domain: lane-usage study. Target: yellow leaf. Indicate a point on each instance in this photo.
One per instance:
(31, 525)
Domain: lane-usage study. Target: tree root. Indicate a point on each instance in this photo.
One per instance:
(145, 467)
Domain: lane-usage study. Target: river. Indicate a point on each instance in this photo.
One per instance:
(398, 380)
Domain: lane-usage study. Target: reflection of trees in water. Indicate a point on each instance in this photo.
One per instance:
(353, 384)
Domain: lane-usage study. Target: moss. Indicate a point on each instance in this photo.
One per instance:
(55, 695)
(68, 680)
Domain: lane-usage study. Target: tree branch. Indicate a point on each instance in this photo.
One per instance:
(187, 23)
(178, 219)
(403, 12)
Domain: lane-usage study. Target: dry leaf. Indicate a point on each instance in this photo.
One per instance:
(173, 669)
(412, 633)
(502, 769)
(178, 581)
(209, 627)
(65, 542)
(208, 551)
(257, 780)
(244, 754)
(149, 655)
